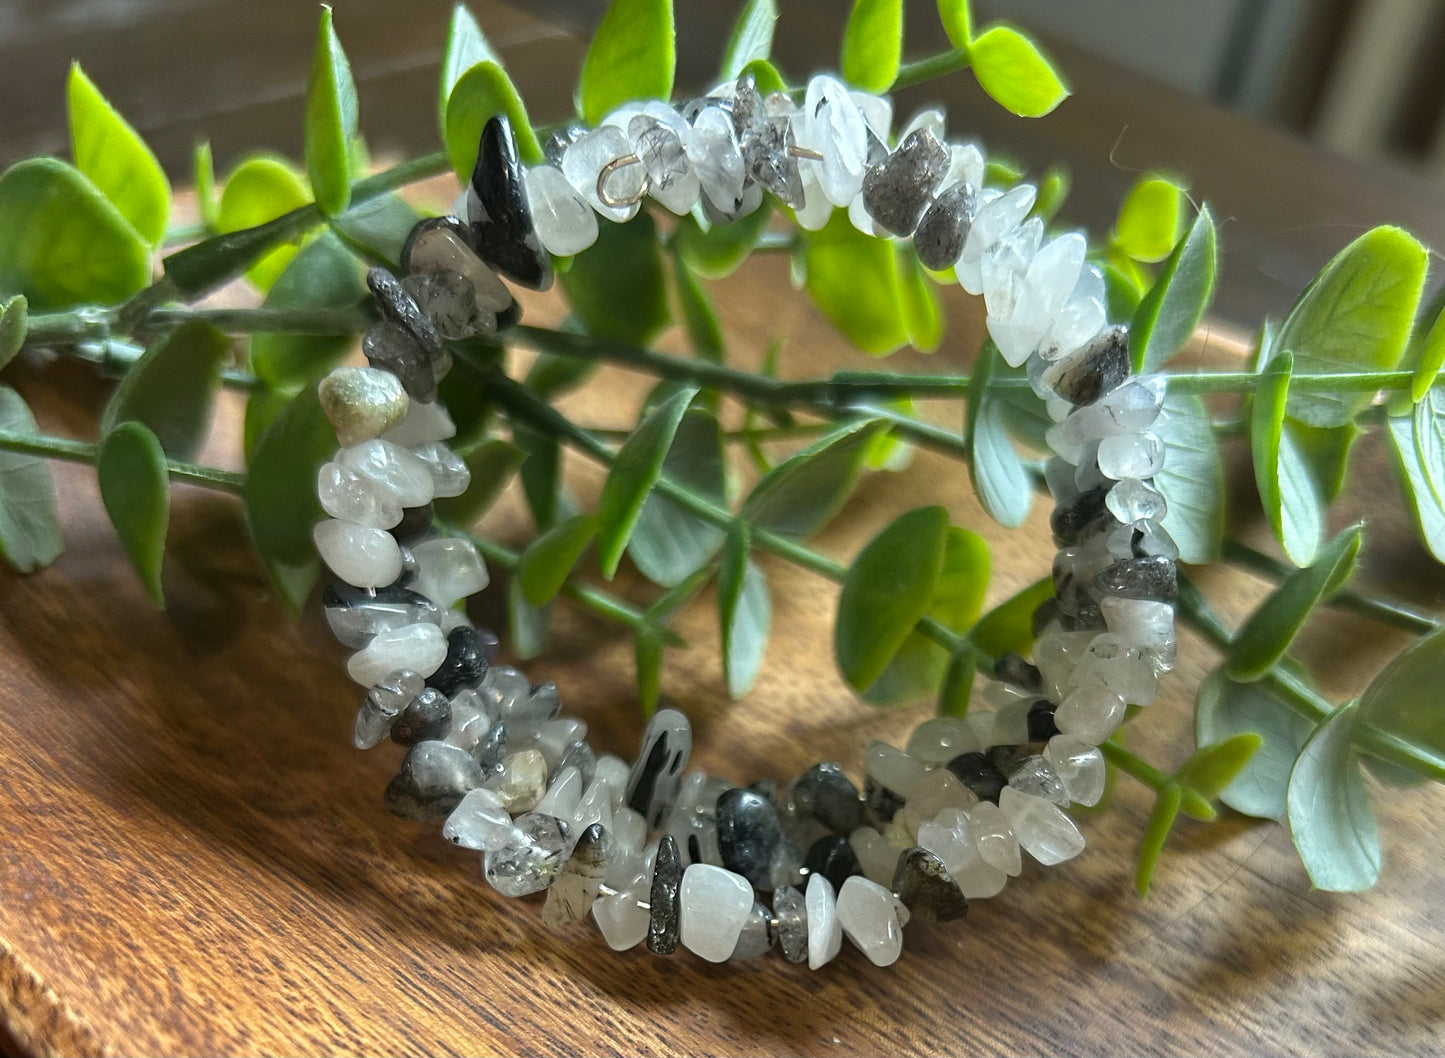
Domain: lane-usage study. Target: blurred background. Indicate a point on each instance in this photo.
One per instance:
(1302, 121)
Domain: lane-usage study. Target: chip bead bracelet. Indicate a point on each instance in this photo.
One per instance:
(652, 851)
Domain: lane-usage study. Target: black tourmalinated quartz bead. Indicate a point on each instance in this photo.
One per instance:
(833, 857)
(749, 835)
(465, 663)
(924, 885)
(434, 778)
(897, 190)
(502, 231)
(827, 795)
(944, 229)
(791, 911)
(1071, 522)
(401, 308)
(1098, 368)
(656, 775)
(1041, 721)
(429, 716)
(666, 900)
(491, 750)
(1012, 668)
(980, 776)
(355, 614)
(414, 526)
(1155, 578)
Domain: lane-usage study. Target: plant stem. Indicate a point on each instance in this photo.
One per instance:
(98, 324)
(1382, 610)
(913, 73)
(86, 452)
(1133, 765)
(116, 356)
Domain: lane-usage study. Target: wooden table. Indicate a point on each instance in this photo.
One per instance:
(194, 860)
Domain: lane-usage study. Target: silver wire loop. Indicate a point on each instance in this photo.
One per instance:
(804, 152)
(614, 166)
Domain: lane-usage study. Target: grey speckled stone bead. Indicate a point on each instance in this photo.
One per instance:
(757, 935)
(897, 190)
(924, 885)
(434, 778)
(666, 898)
(792, 916)
(938, 240)
(827, 795)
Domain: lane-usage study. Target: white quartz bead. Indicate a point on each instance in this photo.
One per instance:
(361, 556)
(440, 249)
(715, 905)
(629, 830)
(1043, 829)
(621, 918)
(349, 496)
(1135, 501)
(1146, 624)
(588, 156)
(1079, 766)
(449, 472)
(1133, 406)
(1082, 317)
(480, 822)
(1056, 653)
(832, 125)
(716, 158)
(613, 770)
(1038, 296)
(1132, 455)
(562, 796)
(877, 112)
(825, 933)
(659, 136)
(1090, 713)
(939, 740)
(419, 647)
(448, 569)
(995, 218)
(816, 210)
(565, 223)
(522, 781)
(875, 855)
(859, 217)
(950, 838)
(1111, 662)
(872, 918)
(422, 423)
(965, 166)
(937, 790)
(595, 807)
(402, 474)
(891, 768)
(930, 118)
(994, 837)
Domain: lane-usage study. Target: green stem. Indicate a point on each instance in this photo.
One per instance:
(1133, 765)
(1382, 610)
(116, 356)
(941, 65)
(87, 452)
(98, 324)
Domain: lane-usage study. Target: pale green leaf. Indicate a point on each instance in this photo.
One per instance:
(1330, 817)
(1420, 492)
(802, 494)
(135, 488)
(1287, 490)
(261, 188)
(1156, 832)
(617, 286)
(752, 38)
(331, 120)
(29, 524)
(853, 279)
(873, 44)
(919, 304)
(998, 473)
(957, 21)
(745, 613)
(1149, 219)
(1403, 701)
(466, 46)
(1011, 68)
(548, 560)
(1211, 768)
(698, 314)
(716, 251)
(172, 388)
(1225, 709)
(632, 56)
(14, 322)
(1192, 480)
(669, 543)
(482, 93)
(377, 228)
(203, 176)
(528, 624)
(1009, 626)
(116, 159)
(1177, 301)
(1431, 359)
(647, 656)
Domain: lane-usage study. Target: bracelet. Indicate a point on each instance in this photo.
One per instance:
(652, 852)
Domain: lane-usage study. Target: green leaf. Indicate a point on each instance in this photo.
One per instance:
(1009, 626)
(998, 473)
(172, 388)
(1287, 492)
(203, 175)
(540, 472)
(466, 46)
(716, 252)
(1431, 359)
(957, 685)
(802, 494)
(1054, 188)
(62, 243)
(262, 188)
(745, 613)
(14, 322)
(330, 120)
(1330, 816)
(632, 56)
(647, 656)
(29, 525)
(752, 38)
(479, 95)
(887, 590)
(1303, 514)
(1124, 288)
(545, 565)
(873, 44)
(1272, 627)
(280, 496)
(377, 228)
(635, 471)
(1210, 769)
(669, 543)
(698, 314)
(116, 159)
(1325, 454)
(1192, 480)
(1149, 219)
(617, 287)
(1156, 832)
(766, 77)
(492, 463)
(136, 490)
(528, 624)
(1403, 701)
(957, 21)
(1355, 316)
(853, 279)
(322, 276)
(1421, 493)
(1177, 301)
(1225, 709)
(1011, 68)
(919, 303)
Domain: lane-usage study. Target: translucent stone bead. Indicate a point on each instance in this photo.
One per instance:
(1142, 539)
(419, 647)
(596, 807)
(1003, 268)
(1147, 625)
(354, 615)
(756, 937)
(566, 223)
(939, 740)
(396, 470)
(469, 723)
(938, 240)
(361, 556)
(575, 889)
(450, 476)
(889, 776)
(423, 422)
(1033, 775)
(749, 835)
(530, 863)
(1099, 367)
(816, 210)
(438, 245)
(767, 147)
(965, 165)
(564, 793)
(994, 838)
(950, 838)
(1043, 829)
(657, 136)
(937, 790)
(897, 190)
(790, 909)
(586, 160)
(383, 703)
(480, 822)
(432, 781)
(621, 918)
(1080, 320)
(653, 783)
(1056, 654)
(1110, 662)
(994, 219)
(979, 774)
(1079, 766)
(716, 904)
(1090, 713)
(350, 497)
(1134, 455)
(825, 794)
(1134, 501)
(926, 889)
(521, 781)
(1133, 406)
(1038, 296)
(875, 855)
(450, 302)
(877, 114)
(1011, 723)
(629, 829)
(832, 124)
(713, 150)
(872, 918)
(613, 770)
(554, 736)
(825, 933)
(858, 216)
(361, 402)
(448, 569)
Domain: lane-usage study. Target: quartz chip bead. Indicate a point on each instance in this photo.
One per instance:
(1033, 775)
(939, 740)
(450, 302)
(876, 857)
(923, 884)
(361, 556)
(439, 244)
(757, 935)
(503, 233)
(897, 190)
(449, 569)
(1145, 624)
(465, 663)
(1097, 368)
(713, 150)
(434, 778)
(1132, 500)
(1090, 713)
(426, 718)
(938, 240)
(423, 422)
(450, 475)
(749, 836)
(1133, 406)
(419, 647)
(566, 223)
(665, 898)
(825, 934)
(361, 403)
(995, 217)
(480, 822)
(399, 307)
(832, 124)
(872, 918)
(1079, 766)
(716, 904)
(832, 857)
(656, 776)
(490, 752)
(657, 138)
(1043, 829)
(824, 793)
(976, 772)
(349, 497)
(356, 615)
(950, 837)
(391, 348)
(597, 166)
(575, 889)
(1111, 662)
(564, 794)
(521, 781)
(937, 790)
(889, 775)
(396, 471)
(622, 918)
(529, 863)
(383, 703)
(791, 913)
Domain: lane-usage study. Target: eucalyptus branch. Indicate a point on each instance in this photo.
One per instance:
(87, 452)
(99, 324)
(116, 357)
(921, 70)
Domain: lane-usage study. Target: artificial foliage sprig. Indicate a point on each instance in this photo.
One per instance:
(80, 242)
